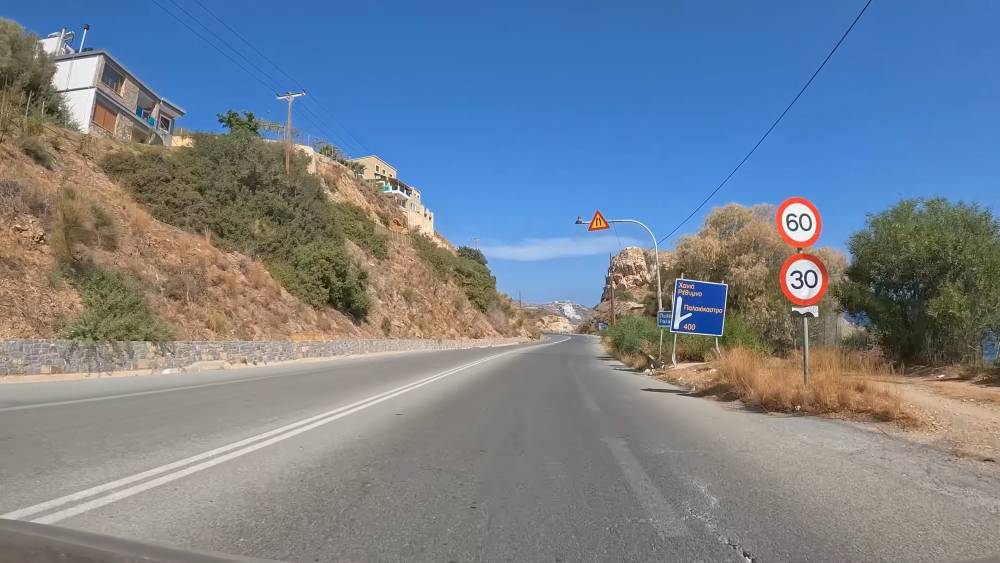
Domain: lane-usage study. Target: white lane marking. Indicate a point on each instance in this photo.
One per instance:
(171, 389)
(247, 445)
(662, 516)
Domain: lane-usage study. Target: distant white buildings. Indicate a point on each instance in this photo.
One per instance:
(105, 98)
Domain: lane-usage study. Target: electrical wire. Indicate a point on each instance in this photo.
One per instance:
(773, 125)
(314, 119)
(297, 84)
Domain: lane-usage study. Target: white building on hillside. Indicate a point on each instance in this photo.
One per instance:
(105, 98)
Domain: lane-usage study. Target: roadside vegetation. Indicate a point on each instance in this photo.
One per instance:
(467, 268)
(840, 382)
(28, 100)
(925, 281)
(233, 188)
(920, 289)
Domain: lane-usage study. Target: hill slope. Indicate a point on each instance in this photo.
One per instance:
(195, 280)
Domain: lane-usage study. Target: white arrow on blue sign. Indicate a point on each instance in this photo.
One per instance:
(699, 307)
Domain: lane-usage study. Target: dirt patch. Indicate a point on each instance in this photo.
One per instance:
(961, 417)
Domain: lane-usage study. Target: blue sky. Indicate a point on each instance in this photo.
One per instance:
(515, 117)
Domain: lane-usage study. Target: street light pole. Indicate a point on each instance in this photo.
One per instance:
(656, 255)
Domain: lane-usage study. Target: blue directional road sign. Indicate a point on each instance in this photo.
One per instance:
(699, 307)
(663, 319)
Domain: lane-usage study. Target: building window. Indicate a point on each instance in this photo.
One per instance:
(112, 79)
(165, 124)
(105, 118)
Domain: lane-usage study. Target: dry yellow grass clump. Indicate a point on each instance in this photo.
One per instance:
(839, 382)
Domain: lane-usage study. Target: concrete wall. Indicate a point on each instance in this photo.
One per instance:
(419, 217)
(32, 357)
(81, 107)
(76, 73)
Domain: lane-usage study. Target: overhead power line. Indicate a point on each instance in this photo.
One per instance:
(276, 84)
(297, 84)
(773, 125)
(272, 87)
(213, 45)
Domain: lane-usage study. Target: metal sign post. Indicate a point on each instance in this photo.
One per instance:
(803, 278)
(663, 319)
(805, 350)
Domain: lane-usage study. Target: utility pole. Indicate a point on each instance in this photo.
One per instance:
(611, 278)
(289, 96)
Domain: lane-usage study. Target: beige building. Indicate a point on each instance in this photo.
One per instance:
(382, 175)
(375, 168)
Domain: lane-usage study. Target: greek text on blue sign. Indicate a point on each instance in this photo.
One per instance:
(699, 307)
(663, 319)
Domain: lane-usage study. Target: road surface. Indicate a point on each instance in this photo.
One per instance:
(543, 452)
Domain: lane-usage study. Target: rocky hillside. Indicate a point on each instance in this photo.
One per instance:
(62, 218)
(633, 276)
(558, 316)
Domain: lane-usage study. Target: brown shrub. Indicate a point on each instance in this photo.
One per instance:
(837, 384)
(258, 276)
(216, 322)
(16, 198)
(183, 284)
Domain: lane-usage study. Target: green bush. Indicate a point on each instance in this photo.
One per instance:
(472, 254)
(739, 334)
(322, 274)
(115, 309)
(640, 335)
(234, 186)
(633, 335)
(474, 277)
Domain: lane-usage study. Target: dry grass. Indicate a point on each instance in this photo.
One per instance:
(839, 383)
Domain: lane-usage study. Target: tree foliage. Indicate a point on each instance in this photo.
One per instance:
(234, 187)
(924, 276)
(472, 254)
(236, 123)
(740, 246)
(25, 69)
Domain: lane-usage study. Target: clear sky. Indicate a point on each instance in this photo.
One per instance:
(515, 117)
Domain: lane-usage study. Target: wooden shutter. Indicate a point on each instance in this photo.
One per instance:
(104, 118)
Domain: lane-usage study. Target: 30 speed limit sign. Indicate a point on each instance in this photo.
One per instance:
(803, 279)
(799, 222)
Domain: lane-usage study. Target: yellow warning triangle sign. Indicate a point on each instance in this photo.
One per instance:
(598, 223)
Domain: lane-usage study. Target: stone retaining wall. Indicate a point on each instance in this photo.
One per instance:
(32, 357)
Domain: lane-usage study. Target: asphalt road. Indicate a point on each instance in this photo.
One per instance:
(546, 452)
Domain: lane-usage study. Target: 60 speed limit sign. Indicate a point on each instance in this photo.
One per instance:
(803, 279)
(799, 222)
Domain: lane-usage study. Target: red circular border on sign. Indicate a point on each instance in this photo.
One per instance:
(781, 230)
(822, 288)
